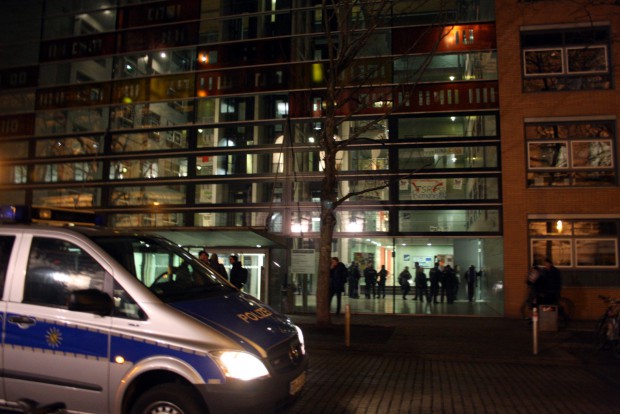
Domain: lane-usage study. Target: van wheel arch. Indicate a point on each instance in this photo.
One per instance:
(161, 382)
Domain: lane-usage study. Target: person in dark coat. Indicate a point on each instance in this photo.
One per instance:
(421, 285)
(470, 277)
(337, 278)
(449, 283)
(214, 263)
(435, 276)
(551, 284)
(403, 281)
(354, 280)
(381, 281)
(370, 278)
(237, 273)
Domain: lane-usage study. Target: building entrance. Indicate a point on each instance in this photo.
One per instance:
(485, 254)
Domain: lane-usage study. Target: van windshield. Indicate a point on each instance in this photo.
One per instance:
(170, 272)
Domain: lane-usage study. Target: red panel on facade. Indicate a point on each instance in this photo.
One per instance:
(161, 12)
(457, 38)
(16, 125)
(24, 77)
(77, 47)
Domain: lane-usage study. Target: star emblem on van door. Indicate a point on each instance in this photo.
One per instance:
(53, 337)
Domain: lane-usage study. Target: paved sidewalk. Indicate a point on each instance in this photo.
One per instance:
(426, 364)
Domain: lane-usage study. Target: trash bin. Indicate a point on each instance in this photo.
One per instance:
(548, 318)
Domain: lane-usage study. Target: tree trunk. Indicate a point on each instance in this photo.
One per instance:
(329, 191)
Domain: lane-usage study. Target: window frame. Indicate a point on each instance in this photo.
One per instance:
(573, 237)
(569, 174)
(568, 40)
(565, 61)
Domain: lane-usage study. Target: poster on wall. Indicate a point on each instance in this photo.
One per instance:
(424, 261)
(428, 189)
(363, 259)
(444, 260)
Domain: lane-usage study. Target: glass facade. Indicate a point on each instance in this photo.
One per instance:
(193, 114)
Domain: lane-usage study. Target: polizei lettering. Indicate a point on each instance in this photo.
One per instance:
(255, 315)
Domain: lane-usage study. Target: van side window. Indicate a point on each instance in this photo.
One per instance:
(6, 246)
(56, 268)
(125, 306)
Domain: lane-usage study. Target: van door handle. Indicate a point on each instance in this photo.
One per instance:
(22, 321)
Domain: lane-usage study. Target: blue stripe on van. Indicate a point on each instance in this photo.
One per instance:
(133, 350)
(50, 335)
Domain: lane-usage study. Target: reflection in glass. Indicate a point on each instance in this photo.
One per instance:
(239, 193)
(148, 195)
(362, 221)
(447, 126)
(353, 160)
(461, 188)
(543, 61)
(67, 121)
(15, 174)
(81, 20)
(81, 71)
(149, 141)
(69, 146)
(264, 219)
(150, 115)
(431, 158)
(447, 67)
(153, 219)
(588, 154)
(68, 197)
(548, 155)
(237, 164)
(17, 101)
(13, 197)
(594, 253)
(70, 171)
(550, 228)
(375, 190)
(431, 221)
(583, 149)
(148, 168)
(558, 250)
(13, 150)
(153, 63)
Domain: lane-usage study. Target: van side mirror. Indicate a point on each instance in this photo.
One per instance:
(91, 301)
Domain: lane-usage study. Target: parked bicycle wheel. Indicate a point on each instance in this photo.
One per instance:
(607, 330)
(600, 333)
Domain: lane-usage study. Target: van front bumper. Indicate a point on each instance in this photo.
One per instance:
(261, 396)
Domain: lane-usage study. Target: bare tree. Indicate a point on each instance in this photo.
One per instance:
(351, 27)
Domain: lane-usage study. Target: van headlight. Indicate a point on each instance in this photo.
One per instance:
(302, 341)
(241, 365)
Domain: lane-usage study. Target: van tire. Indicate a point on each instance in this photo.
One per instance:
(169, 398)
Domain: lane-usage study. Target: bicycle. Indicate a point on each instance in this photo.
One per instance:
(607, 330)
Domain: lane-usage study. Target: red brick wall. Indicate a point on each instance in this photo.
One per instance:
(515, 107)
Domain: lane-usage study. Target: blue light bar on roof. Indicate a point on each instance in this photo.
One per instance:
(14, 214)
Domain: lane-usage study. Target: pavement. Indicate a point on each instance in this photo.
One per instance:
(454, 364)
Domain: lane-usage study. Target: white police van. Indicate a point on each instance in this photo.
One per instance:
(116, 322)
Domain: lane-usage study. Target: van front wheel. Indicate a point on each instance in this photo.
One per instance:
(168, 399)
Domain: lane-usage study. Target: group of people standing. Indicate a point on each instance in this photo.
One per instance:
(238, 274)
(374, 280)
(441, 283)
